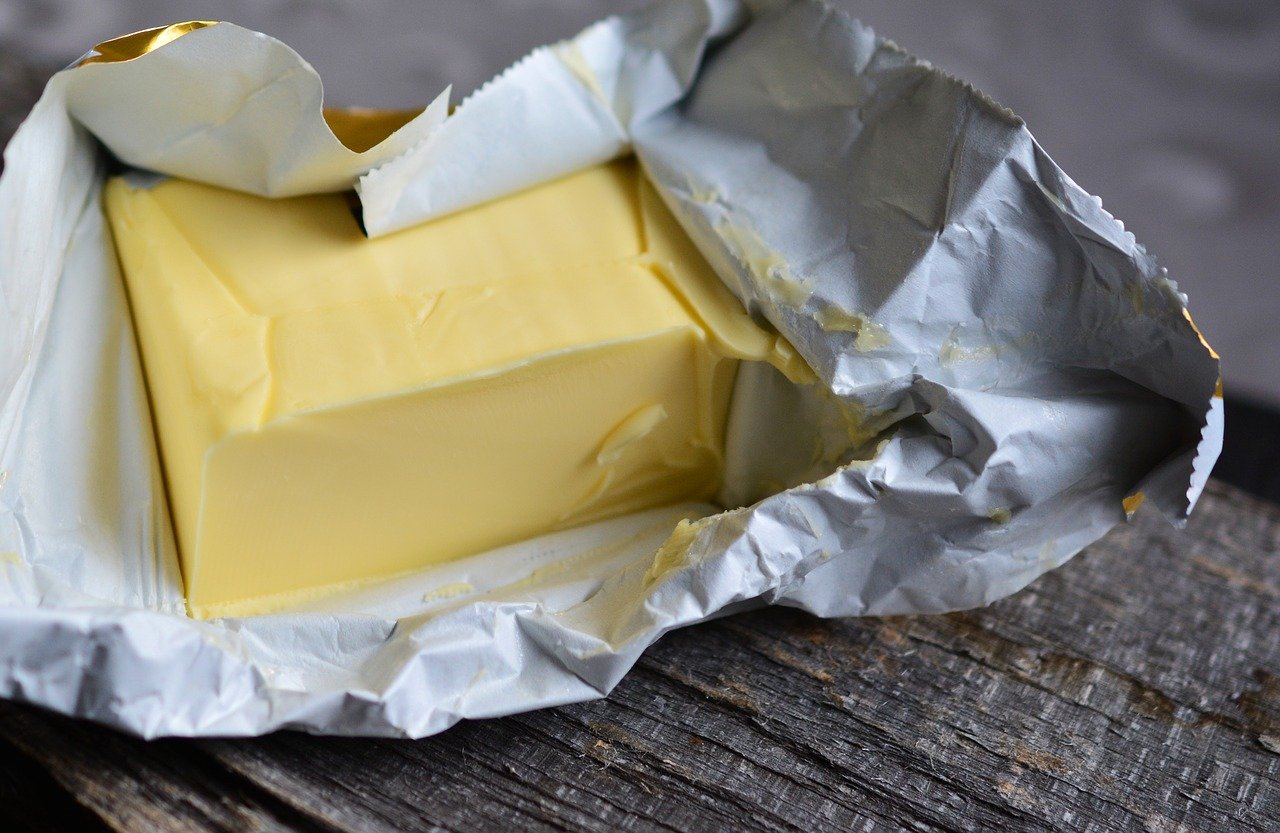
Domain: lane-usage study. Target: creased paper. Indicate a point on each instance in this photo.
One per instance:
(1002, 371)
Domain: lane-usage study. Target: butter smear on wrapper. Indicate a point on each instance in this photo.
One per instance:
(882, 357)
(333, 409)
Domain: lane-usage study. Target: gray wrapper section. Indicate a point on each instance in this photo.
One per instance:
(1039, 363)
(999, 363)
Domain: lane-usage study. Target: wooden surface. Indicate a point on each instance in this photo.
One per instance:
(1137, 688)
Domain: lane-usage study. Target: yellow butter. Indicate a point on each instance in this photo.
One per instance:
(333, 410)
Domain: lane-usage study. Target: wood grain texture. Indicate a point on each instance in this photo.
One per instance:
(1136, 688)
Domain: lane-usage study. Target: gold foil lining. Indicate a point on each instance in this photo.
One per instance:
(360, 128)
(128, 47)
(1186, 313)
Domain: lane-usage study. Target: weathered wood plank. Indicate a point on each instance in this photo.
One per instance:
(1136, 688)
(132, 786)
(33, 802)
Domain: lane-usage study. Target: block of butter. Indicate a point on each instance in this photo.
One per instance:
(333, 410)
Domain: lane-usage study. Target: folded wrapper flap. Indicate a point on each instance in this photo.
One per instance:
(1003, 372)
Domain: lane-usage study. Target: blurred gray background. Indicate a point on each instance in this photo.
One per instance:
(1167, 109)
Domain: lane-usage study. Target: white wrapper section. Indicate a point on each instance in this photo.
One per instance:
(1000, 367)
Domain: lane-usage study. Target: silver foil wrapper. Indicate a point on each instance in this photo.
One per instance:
(1003, 372)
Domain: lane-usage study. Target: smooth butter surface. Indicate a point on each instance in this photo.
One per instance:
(333, 410)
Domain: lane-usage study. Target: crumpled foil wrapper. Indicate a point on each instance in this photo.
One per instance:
(1003, 372)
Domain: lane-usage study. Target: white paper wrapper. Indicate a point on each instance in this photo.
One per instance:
(1017, 362)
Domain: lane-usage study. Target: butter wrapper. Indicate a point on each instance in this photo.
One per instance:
(1002, 371)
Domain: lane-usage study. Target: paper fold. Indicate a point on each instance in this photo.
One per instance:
(1003, 372)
